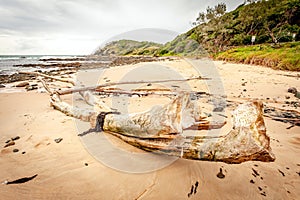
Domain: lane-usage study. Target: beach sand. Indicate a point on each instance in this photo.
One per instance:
(67, 170)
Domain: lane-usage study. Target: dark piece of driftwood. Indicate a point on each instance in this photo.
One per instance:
(160, 130)
(287, 116)
(99, 123)
(20, 180)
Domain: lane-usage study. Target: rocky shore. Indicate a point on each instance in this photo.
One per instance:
(59, 66)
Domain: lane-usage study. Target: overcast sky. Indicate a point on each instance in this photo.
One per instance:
(80, 26)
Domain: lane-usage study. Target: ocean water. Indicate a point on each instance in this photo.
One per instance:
(8, 62)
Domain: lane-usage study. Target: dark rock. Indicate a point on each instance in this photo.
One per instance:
(295, 104)
(208, 114)
(149, 84)
(244, 90)
(23, 152)
(22, 84)
(86, 164)
(251, 181)
(14, 77)
(15, 138)
(292, 90)
(218, 109)
(2, 86)
(72, 65)
(7, 141)
(16, 150)
(58, 140)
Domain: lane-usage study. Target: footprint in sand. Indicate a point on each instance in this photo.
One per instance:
(220, 174)
(281, 172)
(256, 174)
(42, 143)
(193, 189)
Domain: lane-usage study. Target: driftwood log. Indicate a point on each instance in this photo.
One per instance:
(160, 129)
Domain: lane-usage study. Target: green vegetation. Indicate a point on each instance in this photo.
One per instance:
(280, 56)
(129, 47)
(272, 21)
(181, 46)
(224, 36)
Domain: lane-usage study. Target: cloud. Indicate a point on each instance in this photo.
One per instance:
(93, 21)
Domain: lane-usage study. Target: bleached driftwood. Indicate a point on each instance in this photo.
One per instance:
(161, 128)
(100, 87)
(247, 141)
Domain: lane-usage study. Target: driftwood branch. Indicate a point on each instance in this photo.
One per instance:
(99, 87)
(45, 85)
(160, 129)
(55, 99)
(146, 92)
(50, 77)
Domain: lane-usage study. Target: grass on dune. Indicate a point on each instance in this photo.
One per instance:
(281, 56)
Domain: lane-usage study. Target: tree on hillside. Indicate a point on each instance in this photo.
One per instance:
(212, 13)
(213, 19)
(269, 20)
(279, 21)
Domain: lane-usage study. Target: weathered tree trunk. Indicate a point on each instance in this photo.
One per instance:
(247, 141)
(160, 129)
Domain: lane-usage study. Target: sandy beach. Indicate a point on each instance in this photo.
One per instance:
(68, 170)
